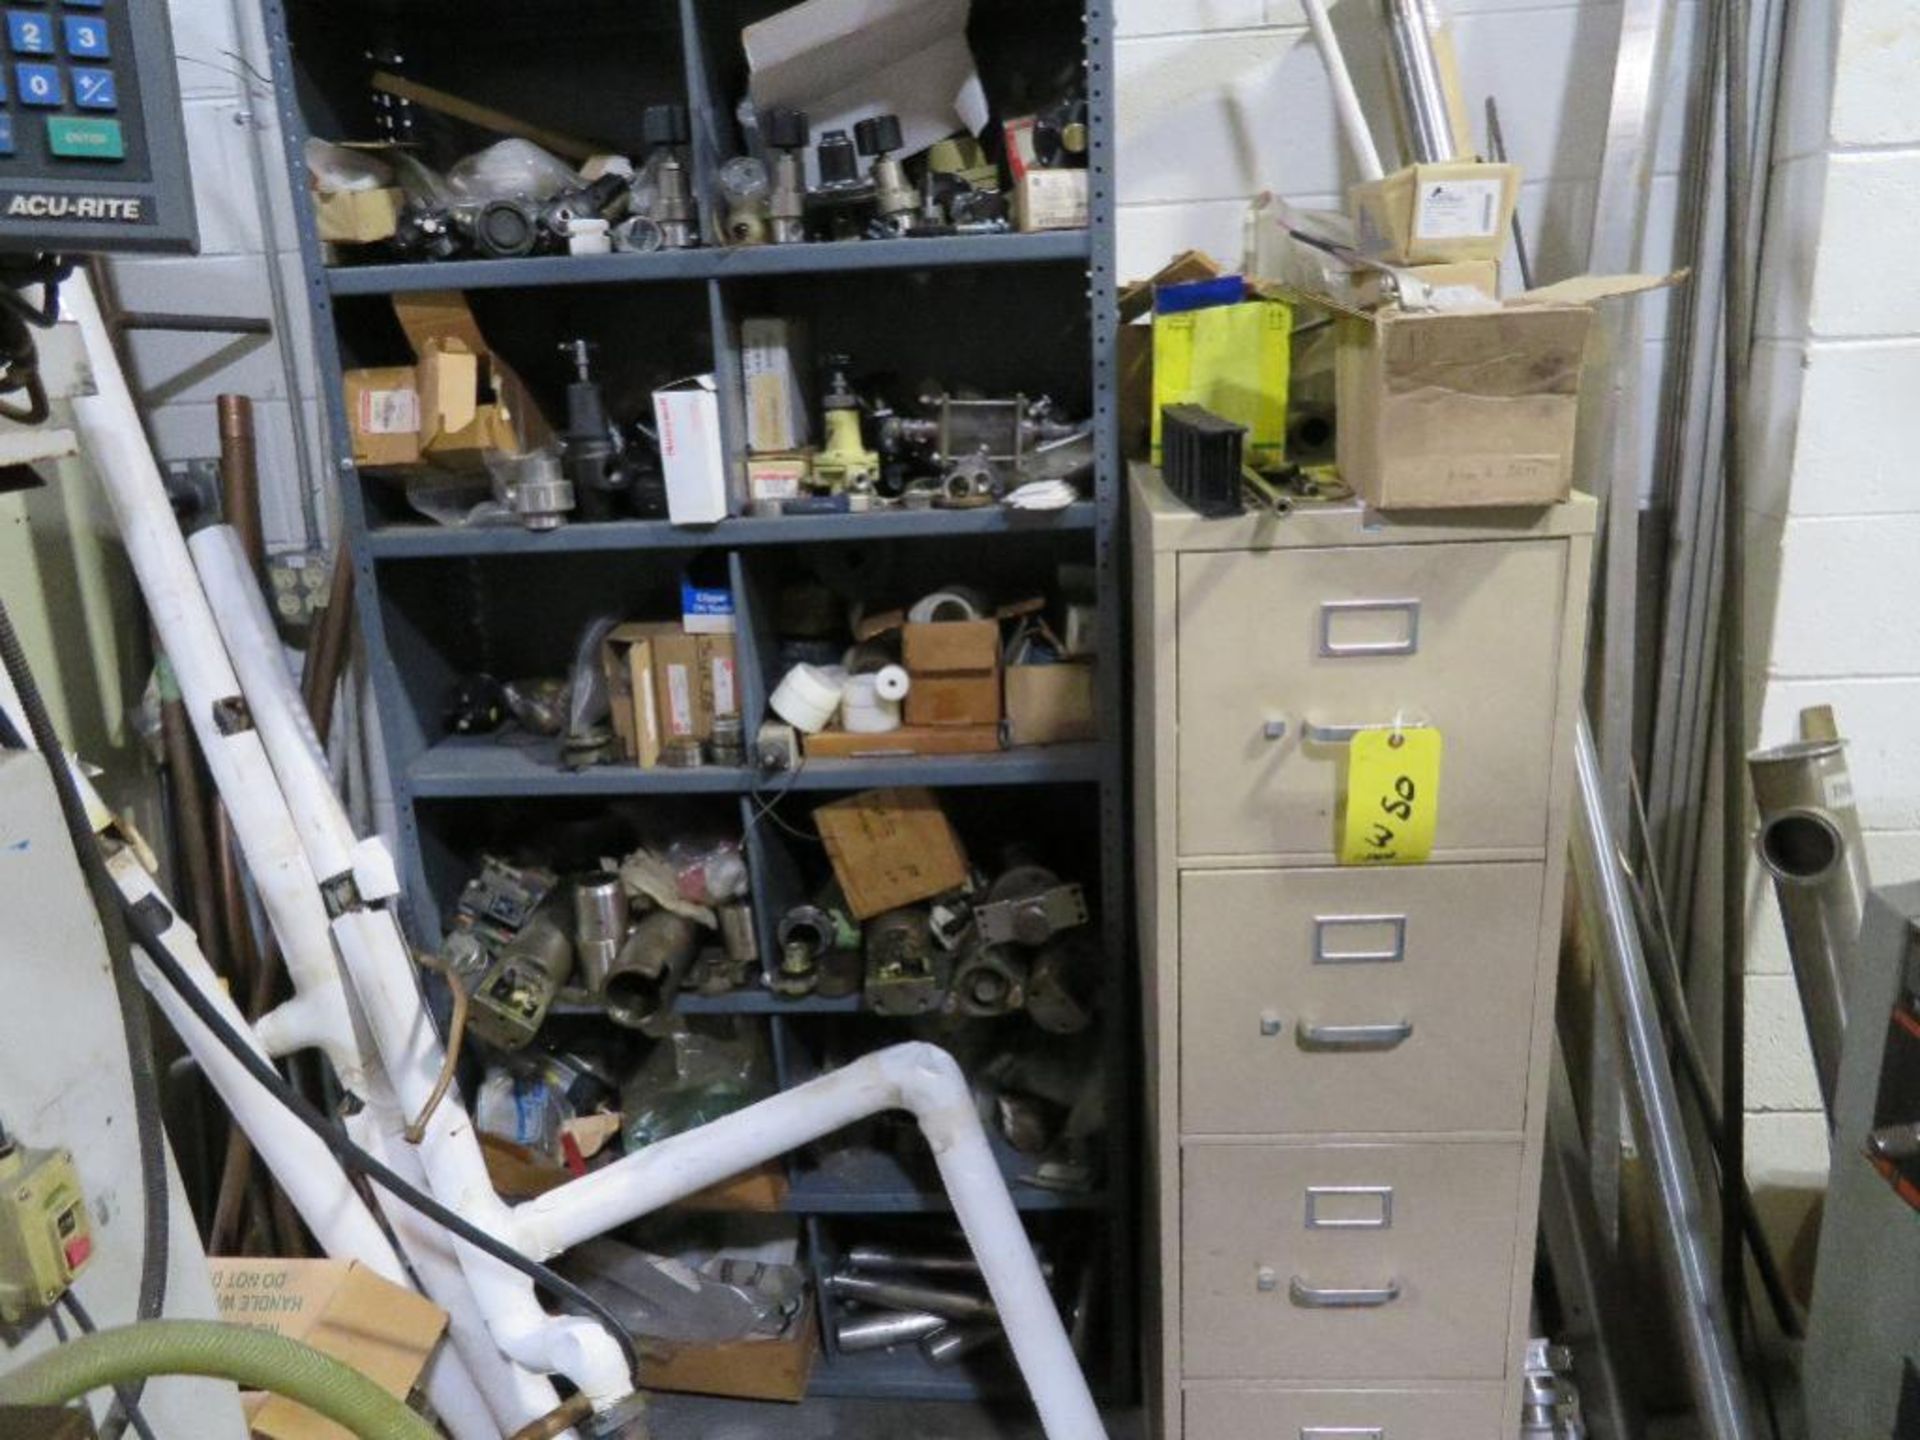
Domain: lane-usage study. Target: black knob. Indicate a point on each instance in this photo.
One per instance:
(785, 129)
(878, 134)
(838, 164)
(664, 125)
(506, 228)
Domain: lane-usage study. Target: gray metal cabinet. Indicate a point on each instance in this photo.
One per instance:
(1346, 1065)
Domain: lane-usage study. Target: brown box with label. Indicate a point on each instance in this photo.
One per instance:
(1436, 214)
(773, 1369)
(1462, 409)
(955, 667)
(890, 848)
(340, 1308)
(627, 658)
(1050, 704)
(454, 405)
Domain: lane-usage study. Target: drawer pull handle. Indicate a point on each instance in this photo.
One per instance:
(1343, 1432)
(1315, 1297)
(1333, 611)
(1354, 1037)
(1315, 732)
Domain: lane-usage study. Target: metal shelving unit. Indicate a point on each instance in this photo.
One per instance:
(432, 600)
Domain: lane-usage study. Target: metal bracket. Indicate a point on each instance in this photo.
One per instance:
(1032, 919)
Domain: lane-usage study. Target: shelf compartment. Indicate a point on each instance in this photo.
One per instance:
(713, 263)
(904, 1373)
(421, 542)
(1029, 765)
(483, 767)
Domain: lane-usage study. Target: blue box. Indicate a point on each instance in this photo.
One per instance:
(706, 610)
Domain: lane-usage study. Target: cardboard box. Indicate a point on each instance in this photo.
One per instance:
(687, 413)
(773, 478)
(905, 741)
(340, 1308)
(1370, 290)
(1052, 200)
(1050, 704)
(890, 848)
(456, 403)
(1436, 214)
(956, 672)
(773, 1369)
(693, 681)
(358, 217)
(1448, 410)
(776, 405)
(627, 658)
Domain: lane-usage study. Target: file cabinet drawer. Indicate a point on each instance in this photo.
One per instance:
(1257, 1413)
(1357, 1000)
(1328, 1262)
(1283, 654)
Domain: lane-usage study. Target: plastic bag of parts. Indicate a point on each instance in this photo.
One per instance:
(673, 1298)
(526, 1110)
(512, 169)
(337, 168)
(588, 701)
(708, 872)
(690, 1078)
(460, 501)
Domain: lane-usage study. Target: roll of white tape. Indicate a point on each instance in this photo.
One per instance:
(944, 606)
(864, 711)
(892, 682)
(806, 698)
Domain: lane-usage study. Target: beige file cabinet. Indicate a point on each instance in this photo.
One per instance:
(1347, 1066)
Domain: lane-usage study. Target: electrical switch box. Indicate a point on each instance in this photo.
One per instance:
(93, 155)
(46, 1235)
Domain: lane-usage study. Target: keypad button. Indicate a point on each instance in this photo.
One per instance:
(95, 89)
(85, 139)
(39, 85)
(29, 33)
(6, 133)
(86, 4)
(86, 36)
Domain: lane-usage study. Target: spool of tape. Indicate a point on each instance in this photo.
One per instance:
(944, 606)
(864, 711)
(806, 698)
(891, 682)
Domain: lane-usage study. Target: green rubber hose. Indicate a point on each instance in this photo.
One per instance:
(255, 1359)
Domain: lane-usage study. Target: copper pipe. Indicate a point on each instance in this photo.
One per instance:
(327, 651)
(456, 1033)
(190, 821)
(557, 1421)
(240, 477)
(225, 1226)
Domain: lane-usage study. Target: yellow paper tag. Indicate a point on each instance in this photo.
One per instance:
(1393, 796)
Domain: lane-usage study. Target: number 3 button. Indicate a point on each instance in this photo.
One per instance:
(39, 85)
(86, 37)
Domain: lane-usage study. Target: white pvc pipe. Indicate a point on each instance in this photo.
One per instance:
(246, 629)
(1346, 101)
(514, 1394)
(925, 1081)
(110, 430)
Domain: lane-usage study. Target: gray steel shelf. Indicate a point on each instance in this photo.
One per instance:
(842, 258)
(859, 1180)
(904, 1373)
(1029, 765)
(427, 542)
(765, 1002)
(482, 767)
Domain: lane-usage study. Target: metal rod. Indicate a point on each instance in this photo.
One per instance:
(1416, 76)
(1705, 1334)
(896, 1294)
(887, 1329)
(327, 651)
(1736, 317)
(1346, 101)
(193, 826)
(191, 324)
(1497, 152)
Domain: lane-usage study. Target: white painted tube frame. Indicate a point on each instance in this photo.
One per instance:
(1346, 101)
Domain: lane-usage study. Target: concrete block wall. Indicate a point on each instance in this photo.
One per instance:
(246, 234)
(1834, 513)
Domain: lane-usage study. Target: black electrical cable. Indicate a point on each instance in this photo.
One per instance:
(124, 1395)
(155, 1198)
(342, 1147)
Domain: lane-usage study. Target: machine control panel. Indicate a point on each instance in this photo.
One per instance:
(92, 151)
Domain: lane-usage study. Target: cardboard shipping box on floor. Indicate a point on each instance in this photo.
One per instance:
(453, 406)
(1445, 409)
(340, 1308)
(955, 667)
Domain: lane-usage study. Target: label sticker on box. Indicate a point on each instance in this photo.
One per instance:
(679, 701)
(389, 412)
(1458, 210)
(724, 702)
(1393, 796)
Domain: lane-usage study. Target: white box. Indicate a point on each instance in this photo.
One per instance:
(776, 408)
(687, 413)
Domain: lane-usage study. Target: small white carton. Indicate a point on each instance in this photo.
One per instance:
(687, 413)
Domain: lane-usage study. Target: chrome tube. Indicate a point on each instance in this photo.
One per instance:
(1809, 841)
(1706, 1337)
(1416, 80)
